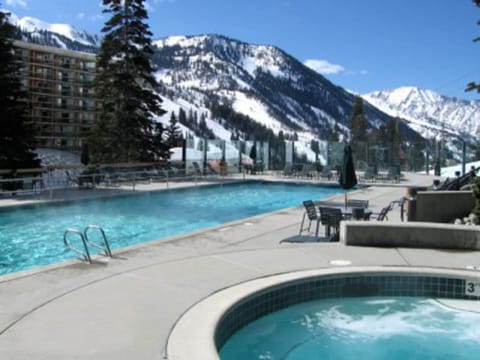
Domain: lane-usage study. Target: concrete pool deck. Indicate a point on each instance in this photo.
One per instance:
(125, 308)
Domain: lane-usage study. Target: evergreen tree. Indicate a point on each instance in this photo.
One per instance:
(393, 131)
(189, 119)
(16, 132)
(392, 137)
(124, 130)
(182, 117)
(417, 158)
(253, 152)
(161, 149)
(335, 137)
(173, 134)
(315, 146)
(200, 145)
(358, 122)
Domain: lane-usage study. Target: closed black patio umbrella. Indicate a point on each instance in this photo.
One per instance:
(347, 178)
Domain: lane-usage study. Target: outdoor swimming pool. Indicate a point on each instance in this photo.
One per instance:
(33, 236)
(373, 328)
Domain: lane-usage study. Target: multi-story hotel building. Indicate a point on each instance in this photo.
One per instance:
(60, 93)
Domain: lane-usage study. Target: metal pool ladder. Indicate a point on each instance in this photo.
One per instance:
(85, 253)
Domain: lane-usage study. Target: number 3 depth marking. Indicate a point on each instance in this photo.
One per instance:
(472, 287)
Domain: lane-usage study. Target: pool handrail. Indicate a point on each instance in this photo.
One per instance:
(105, 247)
(85, 255)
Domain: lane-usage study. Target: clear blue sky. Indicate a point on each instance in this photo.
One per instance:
(362, 45)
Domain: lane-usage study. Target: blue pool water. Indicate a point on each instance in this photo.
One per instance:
(33, 236)
(374, 328)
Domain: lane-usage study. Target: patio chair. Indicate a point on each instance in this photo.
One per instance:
(358, 213)
(357, 203)
(312, 215)
(401, 203)
(359, 208)
(330, 218)
(382, 215)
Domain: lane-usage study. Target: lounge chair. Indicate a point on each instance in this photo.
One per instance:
(289, 170)
(142, 177)
(458, 182)
(326, 173)
(383, 214)
(393, 174)
(70, 180)
(196, 169)
(312, 216)
(370, 174)
(306, 171)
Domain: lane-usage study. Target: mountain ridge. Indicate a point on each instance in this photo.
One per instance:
(268, 85)
(63, 36)
(438, 115)
(296, 97)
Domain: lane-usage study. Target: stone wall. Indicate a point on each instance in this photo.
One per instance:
(443, 206)
(413, 234)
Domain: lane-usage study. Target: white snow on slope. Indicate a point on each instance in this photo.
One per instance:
(428, 112)
(259, 59)
(33, 25)
(256, 110)
(179, 40)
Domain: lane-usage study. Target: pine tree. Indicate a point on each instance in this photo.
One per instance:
(315, 146)
(358, 122)
(334, 136)
(16, 132)
(182, 117)
(173, 134)
(124, 130)
(161, 148)
(417, 161)
(393, 131)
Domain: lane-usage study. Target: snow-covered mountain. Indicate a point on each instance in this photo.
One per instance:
(59, 35)
(429, 113)
(259, 82)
